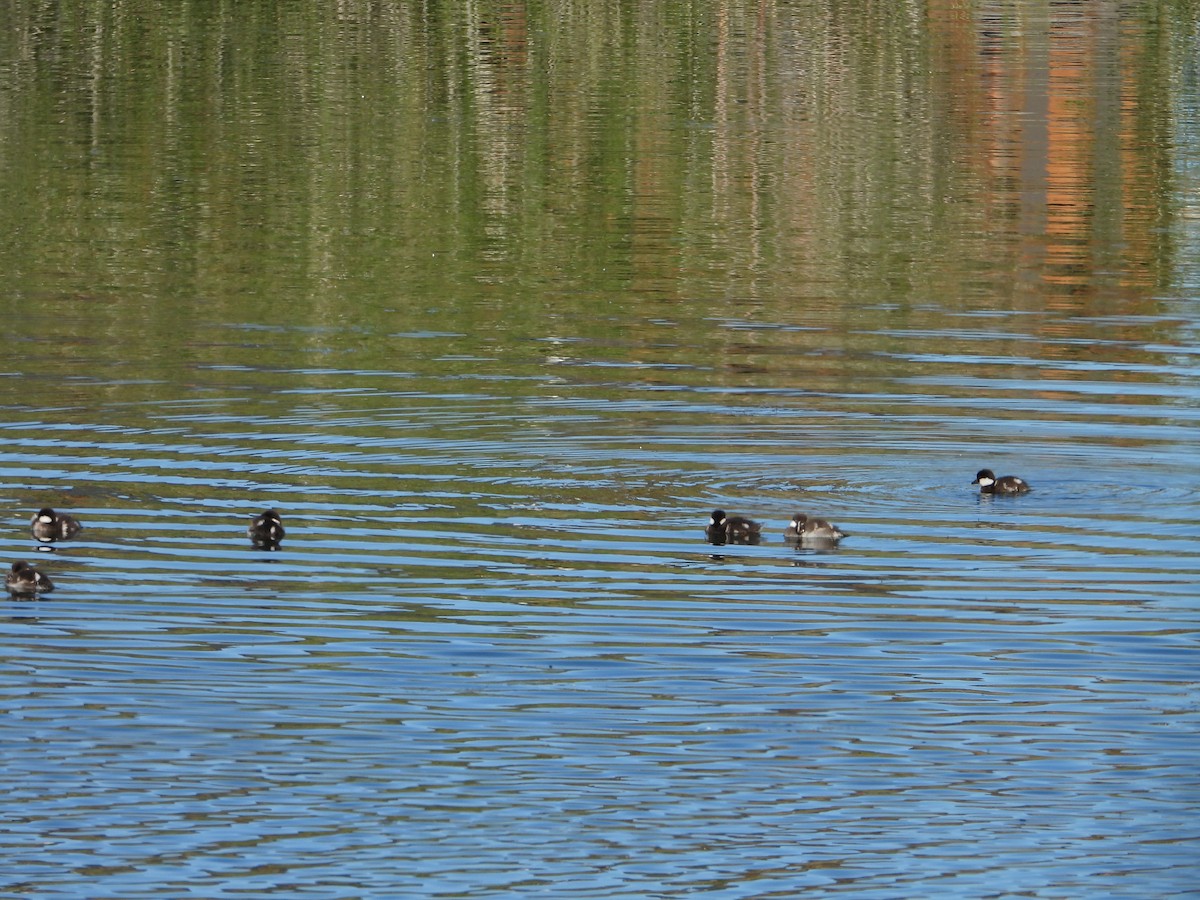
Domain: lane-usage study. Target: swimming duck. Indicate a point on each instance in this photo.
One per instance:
(806, 528)
(47, 525)
(266, 530)
(1005, 484)
(723, 529)
(25, 579)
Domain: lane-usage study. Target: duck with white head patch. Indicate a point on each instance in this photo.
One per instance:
(1005, 484)
(723, 529)
(266, 530)
(48, 525)
(807, 528)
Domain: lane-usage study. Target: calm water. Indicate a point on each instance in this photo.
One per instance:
(495, 309)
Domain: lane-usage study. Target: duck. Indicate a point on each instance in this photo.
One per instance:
(47, 525)
(266, 529)
(722, 529)
(25, 579)
(806, 528)
(1005, 484)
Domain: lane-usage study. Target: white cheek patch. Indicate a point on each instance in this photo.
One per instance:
(46, 519)
(986, 482)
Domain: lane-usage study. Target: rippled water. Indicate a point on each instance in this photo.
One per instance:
(495, 654)
(495, 307)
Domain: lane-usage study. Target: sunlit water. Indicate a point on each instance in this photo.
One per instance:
(494, 655)
(494, 651)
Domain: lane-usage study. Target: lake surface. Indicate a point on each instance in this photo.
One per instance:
(495, 306)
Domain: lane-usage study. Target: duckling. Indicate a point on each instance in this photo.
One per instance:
(47, 525)
(722, 529)
(266, 530)
(806, 528)
(1005, 484)
(25, 579)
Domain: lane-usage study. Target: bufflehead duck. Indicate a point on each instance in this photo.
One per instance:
(1005, 484)
(806, 528)
(25, 579)
(266, 530)
(723, 529)
(47, 525)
